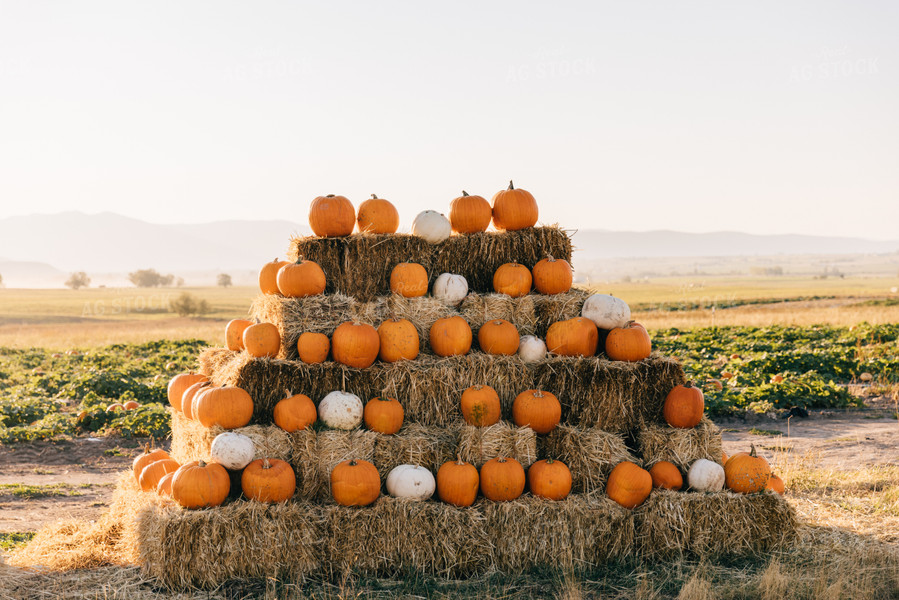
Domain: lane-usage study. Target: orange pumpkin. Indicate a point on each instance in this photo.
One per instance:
(776, 484)
(313, 348)
(450, 336)
(666, 475)
(629, 485)
(629, 343)
(377, 215)
(409, 280)
(550, 479)
(228, 407)
(355, 483)
(573, 337)
(295, 412)
(470, 214)
(723, 457)
(268, 480)
(513, 280)
(145, 458)
(234, 333)
(301, 279)
(383, 414)
(684, 406)
(164, 487)
(190, 394)
(457, 483)
(198, 484)
(498, 337)
(539, 410)
(178, 384)
(331, 216)
(502, 479)
(746, 472)
(552, 276)
(398, 340)
(131, 405)
(262, 340)
(514, 209)
(268, 276)
(153, 472)
(480, 406)
(355, 344)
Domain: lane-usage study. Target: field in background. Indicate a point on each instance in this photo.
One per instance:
(60, 319)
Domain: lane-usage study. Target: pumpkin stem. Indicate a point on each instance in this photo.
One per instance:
(300, 259)
(511, 187)
(752, 451)
(537, 394)
(201, 463)
(329, 196)
(629, 324)
(266, 464)
(550, 258)
(464, 193)
(689, 384)
(353, 462)
(459, 460)
(549, 461)
(501, 460)
(374, 197)
(287, 394)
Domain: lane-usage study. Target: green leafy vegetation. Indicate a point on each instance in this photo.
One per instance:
(9, 541)
(48, 394)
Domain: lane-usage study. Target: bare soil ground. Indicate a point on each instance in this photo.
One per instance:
(74, 478)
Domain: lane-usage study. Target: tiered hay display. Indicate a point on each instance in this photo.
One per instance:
(611, 413)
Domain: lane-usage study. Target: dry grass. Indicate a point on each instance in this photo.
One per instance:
(615, 396)
(682, 447)
(475, 256)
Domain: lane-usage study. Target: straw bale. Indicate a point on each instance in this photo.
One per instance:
(477, 445)
(395, 536)
(416, 444)
(616, 396)
(682, 447)
(594, 392)
(590, 454)
(575, 533)
(717, 524)
(238, 540)
(315, 454)
(192, 441)
(360, 265)
(531, 314)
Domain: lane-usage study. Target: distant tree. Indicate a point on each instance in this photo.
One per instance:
(223, 280)
(78, 280)
(150, 278)
(179, 282)
(186, 305)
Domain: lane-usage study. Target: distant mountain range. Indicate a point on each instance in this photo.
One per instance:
(45, 248)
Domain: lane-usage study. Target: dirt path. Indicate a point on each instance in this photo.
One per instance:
(75, 478)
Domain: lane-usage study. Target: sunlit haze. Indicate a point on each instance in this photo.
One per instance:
(762, 117)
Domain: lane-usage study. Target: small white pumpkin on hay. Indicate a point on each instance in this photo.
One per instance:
(341, 410)
(411, 481)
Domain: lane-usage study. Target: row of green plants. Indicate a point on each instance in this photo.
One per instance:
(47, 394)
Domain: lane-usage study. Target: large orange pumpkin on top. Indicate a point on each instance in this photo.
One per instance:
(377, 215)
(470, 214)
(514, 209)
(331, 216)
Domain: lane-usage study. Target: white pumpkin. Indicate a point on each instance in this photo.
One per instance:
(450, 289)
(608, 312)
(232, 450)
(411, 481)
(432, 226)
(706, 476)
(531, 349)
(341, 410)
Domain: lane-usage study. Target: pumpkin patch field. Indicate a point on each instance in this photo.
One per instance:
(442, 414)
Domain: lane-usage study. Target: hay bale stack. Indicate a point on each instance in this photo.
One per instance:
(671, 524)
(243, 539)
(590, 454)
(192, 441)
(575, 533)
(360, 265)
(682, 447)
(315, 454)
(477, 445)
(415, 444)
(594, 392)
(396, 536)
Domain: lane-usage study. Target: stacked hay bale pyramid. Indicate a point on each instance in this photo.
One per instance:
(611, 414)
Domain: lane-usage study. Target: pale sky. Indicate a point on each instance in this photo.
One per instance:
(765, 117)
